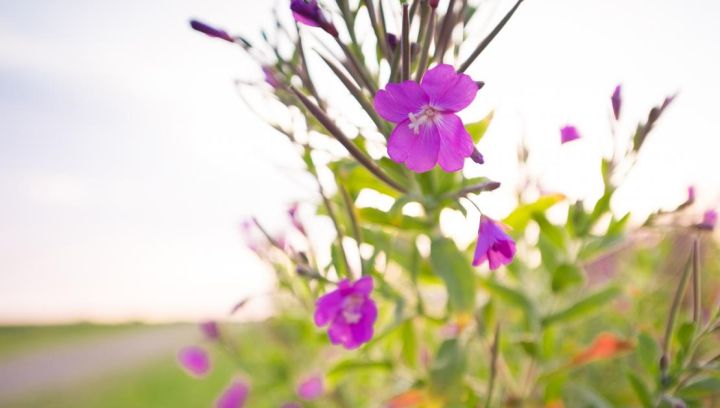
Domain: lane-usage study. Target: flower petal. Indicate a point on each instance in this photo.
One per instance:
(455, 143)
(233, 396)
(363, 286)
(311, 388)
(327, 307)
(340, 333)
(447, 89)
(424, 154)
(401, 141)
(194, 360)
(398, 99)
(363, 330)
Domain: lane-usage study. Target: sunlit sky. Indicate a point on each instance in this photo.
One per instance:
(127, 159)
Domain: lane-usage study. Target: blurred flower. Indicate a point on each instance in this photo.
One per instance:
(409, 399)
(616, 100)
(709, 220)
(194, 360)
(246, 230)
(308, 12)
(210, 330)
(568, 134)
(210, 31)
(349, 311)
(295, 218)
(434, 3)
(493, 245)
(428, 132)
(233, 396)
(691, 194)
(392, 41)
(270, 77)
(311, 388)
(606, 345)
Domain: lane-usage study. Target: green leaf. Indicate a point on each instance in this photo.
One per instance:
(338, 261)
(448, 368)
(640, 388)
(583, 307)
(514, 297)
(391, 219)
(454, 269)
(519, 219)
(356, 177)
(648, 353)
(477, 129)
(704, 387)
(346, 366)
(409, 344)
(565, 276)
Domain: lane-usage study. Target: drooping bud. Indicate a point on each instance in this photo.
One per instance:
(392, 41)
(308, 12)
(477, 157)
(210, 31)
(434, 3)
(616, 100)
(568, 133)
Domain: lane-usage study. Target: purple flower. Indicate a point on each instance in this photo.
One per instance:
(392, 41)
(211, 31)
(194, 360)
(493, 245)
(270, 77)
(308, 12)
(234, 395)
(349, 311)
(210, 330)
(428, 132)
(311, 388)
(616, 100)
(568, 134)
(709, 220)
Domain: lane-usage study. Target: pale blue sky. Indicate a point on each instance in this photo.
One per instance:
(126, 159)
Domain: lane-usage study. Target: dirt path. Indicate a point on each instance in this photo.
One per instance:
(56, 367)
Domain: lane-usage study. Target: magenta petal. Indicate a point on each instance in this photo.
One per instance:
(233, 396)
(400, 142)
(396, 101)
(305, 20)
(484, 243)
(455, 143)
(326, 307)
(194, 360)
(424, 154)
(568, 134)
(448, 90)
(363, 331)
(311, 388)
(339, 333)
(363, 286)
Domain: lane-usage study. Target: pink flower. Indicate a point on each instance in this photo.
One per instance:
(616, 100)
(311, 388)
(493, 245)
(568, 134)
(428, 131)
(210, 31)
(210, 330)
(233, 396)
(308, 12)
(709, 220)
(194, 360)
(690, 195)
(349, 311)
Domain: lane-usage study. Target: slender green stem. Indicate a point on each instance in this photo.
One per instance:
(354, 151)
(306, 72)
(357, 93)
(352, 214)
(405, 43)
(672, 314)
(426, 41)
(379, 29)
(493, 365)
(488, 39)
(445, 32)
(697, 295)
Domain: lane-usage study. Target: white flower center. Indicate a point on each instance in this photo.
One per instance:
(426, 114)
(351, 308)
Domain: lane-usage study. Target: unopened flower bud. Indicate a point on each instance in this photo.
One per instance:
(477, 157)
(210, 31)
(308, 12)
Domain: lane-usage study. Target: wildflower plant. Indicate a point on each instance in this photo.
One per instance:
(546, 308)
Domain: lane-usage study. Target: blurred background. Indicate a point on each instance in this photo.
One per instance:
(127, 161)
